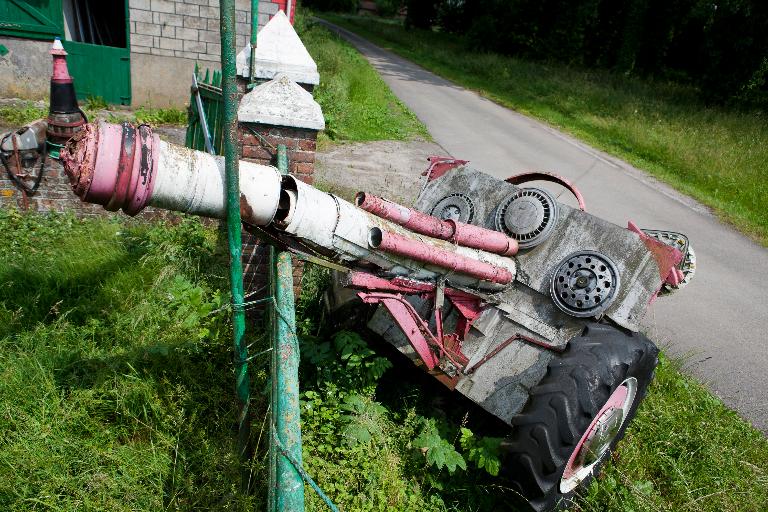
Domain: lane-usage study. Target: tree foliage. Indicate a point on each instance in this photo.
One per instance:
(332, 5)
(719, 46)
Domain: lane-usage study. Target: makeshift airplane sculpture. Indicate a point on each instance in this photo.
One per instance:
(527, 306)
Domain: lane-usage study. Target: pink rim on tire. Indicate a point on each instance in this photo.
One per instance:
(597, 440)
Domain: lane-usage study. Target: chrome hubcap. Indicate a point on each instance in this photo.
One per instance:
(600, 434)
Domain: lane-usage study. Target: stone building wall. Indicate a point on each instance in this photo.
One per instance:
(188, 29)
(168, 37)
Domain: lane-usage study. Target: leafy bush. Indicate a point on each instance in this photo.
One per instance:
(421, 13)
(438, 452)
(161, 116)
(389, 8)
(718, 47)
(332, 5)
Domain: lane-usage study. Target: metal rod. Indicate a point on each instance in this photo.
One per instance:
(254, 38)
(289, 485)
(201, 114)
(234, 235)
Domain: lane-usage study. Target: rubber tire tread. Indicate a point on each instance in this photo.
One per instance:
(561, 407)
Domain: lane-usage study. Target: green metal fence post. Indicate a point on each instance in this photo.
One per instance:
(234, 235)
(254, 32)
(289, 485)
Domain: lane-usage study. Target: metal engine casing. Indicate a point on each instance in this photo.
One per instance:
(500, 385)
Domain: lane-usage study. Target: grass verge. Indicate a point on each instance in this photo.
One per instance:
(116, 379)
(357, 104)
(95, 108)
(715, 155)
(117, 393)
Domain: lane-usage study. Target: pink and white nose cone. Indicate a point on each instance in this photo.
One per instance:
(129, 168)
(60, 71)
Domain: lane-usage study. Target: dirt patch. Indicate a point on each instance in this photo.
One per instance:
(386, 168)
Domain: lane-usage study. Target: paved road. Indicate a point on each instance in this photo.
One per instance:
(718, 320)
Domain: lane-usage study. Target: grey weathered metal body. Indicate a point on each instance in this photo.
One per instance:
(500, 385)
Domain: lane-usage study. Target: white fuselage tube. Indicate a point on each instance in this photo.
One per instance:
(194, 182)
(333, 223)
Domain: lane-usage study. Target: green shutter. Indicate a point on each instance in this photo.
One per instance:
(31, 19)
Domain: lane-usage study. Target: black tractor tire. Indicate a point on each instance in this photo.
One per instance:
(562, 406)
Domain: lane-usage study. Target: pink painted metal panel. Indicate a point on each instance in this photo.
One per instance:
(439, 165)
(667, 257)
(409, 321)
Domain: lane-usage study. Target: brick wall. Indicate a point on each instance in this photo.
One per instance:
(55, 194)
(189, 29)
(301, 145)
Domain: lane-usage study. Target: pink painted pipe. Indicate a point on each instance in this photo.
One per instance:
(401, 246)
(113, 165)
(459, 233)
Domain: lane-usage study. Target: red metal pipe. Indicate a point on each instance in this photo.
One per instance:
(459, 233)
(421, 252)
(366, 281)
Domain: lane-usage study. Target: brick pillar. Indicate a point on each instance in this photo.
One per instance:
(276, 112)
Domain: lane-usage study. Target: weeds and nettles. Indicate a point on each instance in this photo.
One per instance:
(161, 116)
(116, 387)
(22, 114)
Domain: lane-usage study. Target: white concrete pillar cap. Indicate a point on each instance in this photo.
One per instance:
(281, 102)
(279, 50)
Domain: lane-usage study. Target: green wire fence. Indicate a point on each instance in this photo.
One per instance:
(217, 109)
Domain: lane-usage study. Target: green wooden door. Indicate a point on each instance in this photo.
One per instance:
(100, 71)
(31, 19)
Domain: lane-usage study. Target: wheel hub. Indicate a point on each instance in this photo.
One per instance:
(528, 215)
(456, 207)
(584, 284)
(599, 436)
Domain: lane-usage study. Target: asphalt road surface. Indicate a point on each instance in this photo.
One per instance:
(718, 321)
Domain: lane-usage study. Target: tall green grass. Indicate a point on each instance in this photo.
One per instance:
(116, 376)
(117, 393)
(716, 155)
